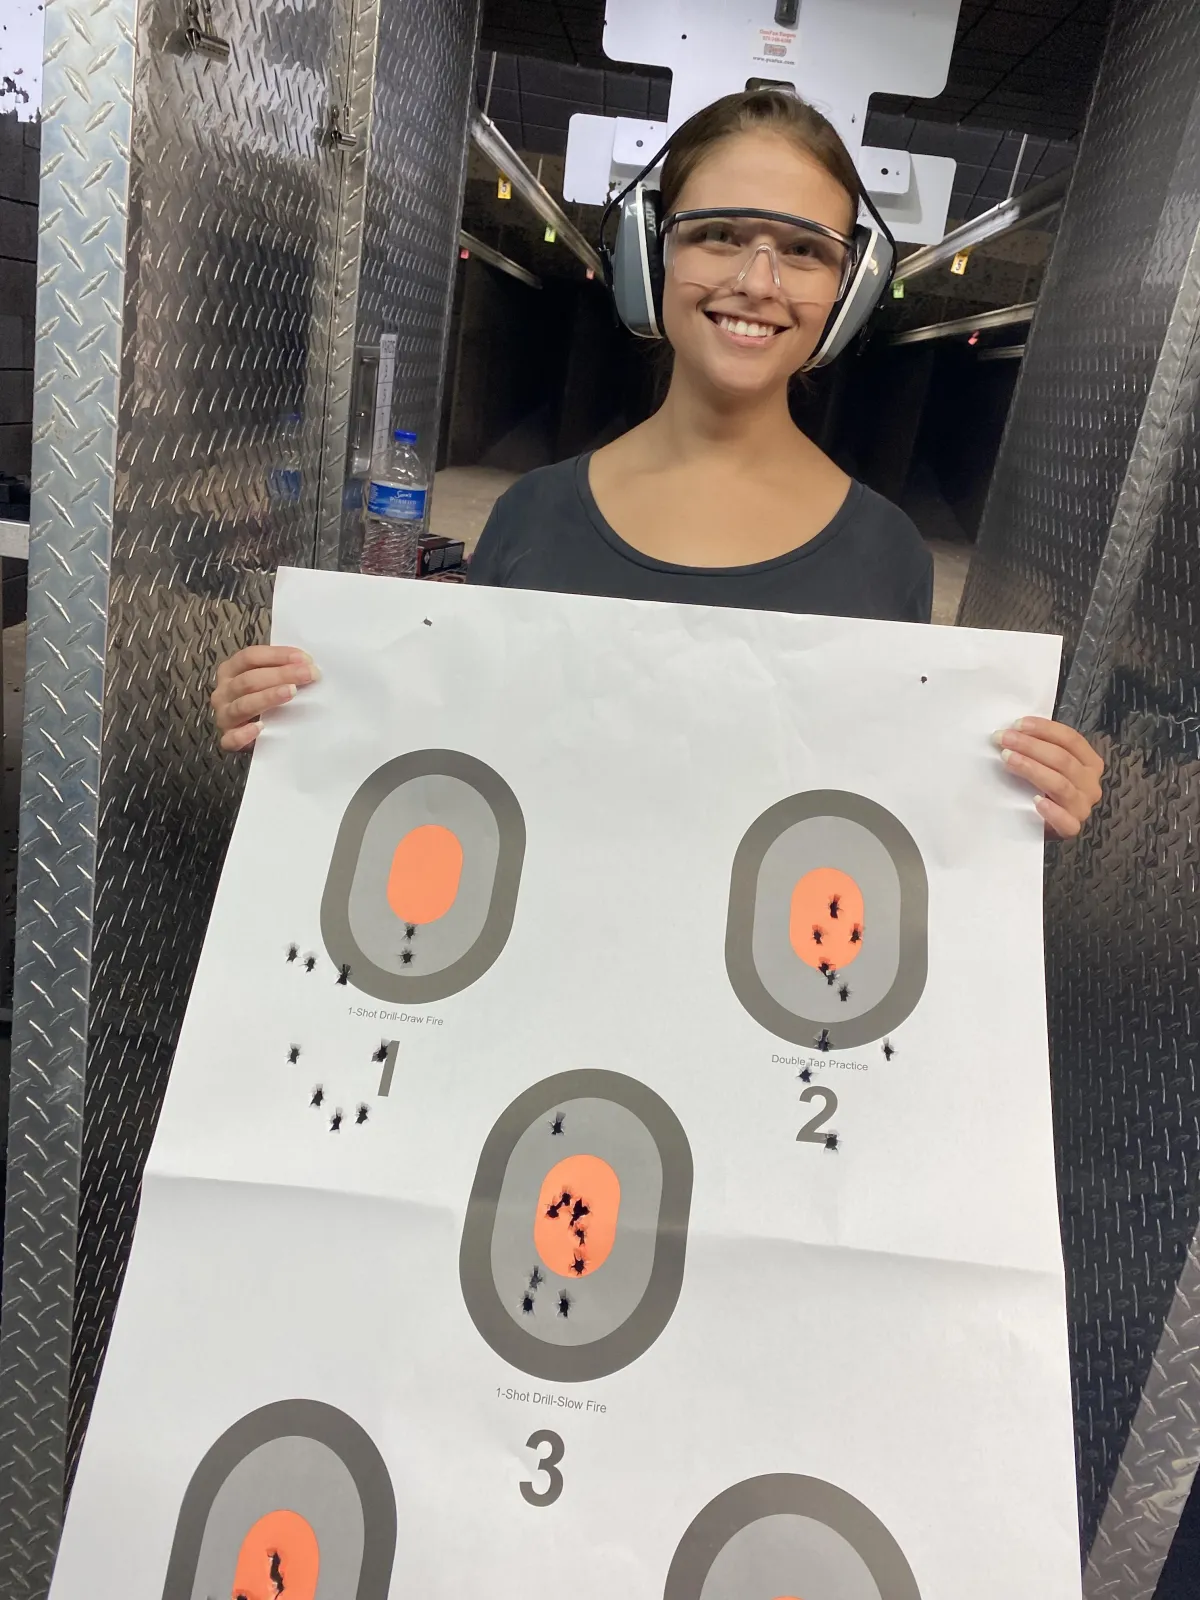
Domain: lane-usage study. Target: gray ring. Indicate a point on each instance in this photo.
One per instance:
(634, 1336)
(913, 933)
(309, 1419)
(336, 931)
(783, 1494)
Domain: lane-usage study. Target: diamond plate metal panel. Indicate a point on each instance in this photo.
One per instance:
(233, 207)
(85, 153)
(414, 203)
(189, 210)
(1091, 529)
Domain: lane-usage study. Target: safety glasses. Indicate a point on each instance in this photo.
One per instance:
(712, 250)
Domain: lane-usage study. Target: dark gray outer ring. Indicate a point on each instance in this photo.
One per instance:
(913, 965)
(310, 1419)
(781, 1494)
(336, 932)
(578, 1363)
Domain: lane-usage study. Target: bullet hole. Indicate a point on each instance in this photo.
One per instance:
(527, 1303)
(536, 1279)
(844, 993)
(856, 934)
(579, 1266)
(822, 1039)
(410, 930)
(293, 1055)
(889, 1049)
(276, 1572)
(343, 976)
(406, 958)
(830, 973)
(293, 951)
(818, 935)
(580, 1234)
(564, 1304)
(361, 1115)
(335, 1122)
(310, 963)
(579, 1211)
(831, 1141)
(428, 623)
(805, 1074)
(381, 1053)
(834, 906)
(318, 1096)
(556, 1127)
(924, 680)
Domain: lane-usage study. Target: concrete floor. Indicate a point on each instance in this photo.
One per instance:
(463, 497)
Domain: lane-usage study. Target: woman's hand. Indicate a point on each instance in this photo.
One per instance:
(1061, 765)
(253, 681)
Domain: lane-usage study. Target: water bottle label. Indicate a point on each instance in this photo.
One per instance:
(396, 505)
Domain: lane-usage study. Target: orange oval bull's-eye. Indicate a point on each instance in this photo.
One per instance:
(279, 1556)
(580, 1195)
(425, 873)
(826, 924)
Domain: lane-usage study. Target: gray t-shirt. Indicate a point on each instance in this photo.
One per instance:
(547, 532)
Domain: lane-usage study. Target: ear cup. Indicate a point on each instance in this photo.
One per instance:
(636, 272)
(874, 259)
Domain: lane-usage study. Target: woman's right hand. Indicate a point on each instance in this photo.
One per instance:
(252, 681)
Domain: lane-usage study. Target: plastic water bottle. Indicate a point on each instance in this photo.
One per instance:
(284, 481)
(395, 509)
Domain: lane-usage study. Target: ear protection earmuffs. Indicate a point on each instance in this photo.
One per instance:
(633, 268)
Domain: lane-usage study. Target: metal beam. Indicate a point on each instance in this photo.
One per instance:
(1006, 317)
(1004, 352)
(492, 144)
(485, 252)
(1022, 211)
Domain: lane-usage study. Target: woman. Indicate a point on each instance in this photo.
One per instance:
(718, 498)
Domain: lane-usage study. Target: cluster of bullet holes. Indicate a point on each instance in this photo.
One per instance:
(274, 1577)
(812, 1131)
(309, 963)
(529, 1297)
(385, 1055)
(408, 954)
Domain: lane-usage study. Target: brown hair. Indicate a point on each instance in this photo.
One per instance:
(758, 110)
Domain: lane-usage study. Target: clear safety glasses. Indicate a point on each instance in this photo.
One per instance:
(713, 250)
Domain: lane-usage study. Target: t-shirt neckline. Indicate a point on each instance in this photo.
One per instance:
(629, 552)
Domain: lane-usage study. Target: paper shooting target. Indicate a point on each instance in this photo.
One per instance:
(573, 1247)
(295, 1500)
(422, 885)
(783, 1537)
(827, 931)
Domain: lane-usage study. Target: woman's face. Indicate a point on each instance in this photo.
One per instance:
(766, 172)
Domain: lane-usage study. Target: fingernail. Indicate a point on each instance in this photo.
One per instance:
(1021, 724)
(1006, 755)
(998, 738)
(299, 655)
(314, 671)
(289, 691)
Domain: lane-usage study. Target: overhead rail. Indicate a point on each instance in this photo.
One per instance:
(1003, 352)
(1005, 317)
(492, 144)
(1021, 211)
(485, 252)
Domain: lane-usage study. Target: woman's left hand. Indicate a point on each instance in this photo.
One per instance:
(1062, 767)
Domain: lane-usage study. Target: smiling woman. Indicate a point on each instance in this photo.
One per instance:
(754, 264)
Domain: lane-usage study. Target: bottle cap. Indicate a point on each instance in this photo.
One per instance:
(404, 436)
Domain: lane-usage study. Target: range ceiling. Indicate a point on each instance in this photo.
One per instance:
(1019, 65)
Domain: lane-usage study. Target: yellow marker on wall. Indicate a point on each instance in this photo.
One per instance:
(898, 289)
(551, 236)
(959, 265)
(503, 189)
